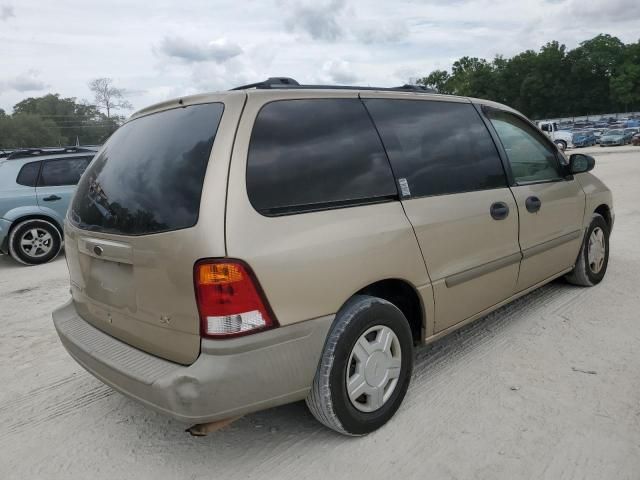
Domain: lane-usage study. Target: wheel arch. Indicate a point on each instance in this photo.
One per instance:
(404, 296)
(604, 210)
(37, 216)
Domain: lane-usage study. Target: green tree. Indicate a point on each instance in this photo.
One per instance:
(26, 130)
(599, 76)
(74, 120)
(625, 83)
(438, 80)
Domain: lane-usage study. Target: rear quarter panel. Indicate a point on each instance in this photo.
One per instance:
(309, 264)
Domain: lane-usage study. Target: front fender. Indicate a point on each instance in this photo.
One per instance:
(597, 193)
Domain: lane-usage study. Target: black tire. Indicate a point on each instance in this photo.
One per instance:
(562, 145)
(21, 233)
(329, 400)
(583, 274)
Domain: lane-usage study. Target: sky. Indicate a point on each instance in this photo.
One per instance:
(161, 49)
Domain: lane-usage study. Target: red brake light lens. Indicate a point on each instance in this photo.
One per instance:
(230, 300)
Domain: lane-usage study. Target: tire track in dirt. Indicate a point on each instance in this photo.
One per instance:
(48, 403)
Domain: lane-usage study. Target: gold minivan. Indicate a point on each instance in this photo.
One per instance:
(235, 251)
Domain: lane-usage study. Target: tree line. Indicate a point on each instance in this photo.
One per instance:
(52, 121)
(601, 75)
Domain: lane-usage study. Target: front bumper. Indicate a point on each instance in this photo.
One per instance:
(5, 225)
(230, 377)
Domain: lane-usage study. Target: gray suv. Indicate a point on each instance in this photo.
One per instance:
(36, 186)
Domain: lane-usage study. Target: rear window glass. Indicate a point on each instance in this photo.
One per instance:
(316, 154)
(148, 177)
(28, 175)
(437, 148)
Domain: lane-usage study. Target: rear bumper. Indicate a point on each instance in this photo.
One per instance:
(230, 377)
(5, 225)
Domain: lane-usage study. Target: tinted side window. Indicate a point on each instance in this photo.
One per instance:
(64, 171)
(28, 175)
(437, 147)
(314, 154)
(532, 158)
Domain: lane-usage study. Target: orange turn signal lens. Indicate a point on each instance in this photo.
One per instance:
(218, 273)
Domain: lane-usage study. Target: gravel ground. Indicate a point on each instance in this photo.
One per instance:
(545, 388)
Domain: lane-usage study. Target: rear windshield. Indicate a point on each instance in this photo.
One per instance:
(148, 177)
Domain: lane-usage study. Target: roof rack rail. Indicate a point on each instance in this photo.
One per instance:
(271, 82)
(290, 83)
(40, 152)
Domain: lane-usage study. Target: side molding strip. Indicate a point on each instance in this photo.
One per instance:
(556, 242)
(475, 272)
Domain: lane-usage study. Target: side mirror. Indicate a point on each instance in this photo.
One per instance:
(580, 163)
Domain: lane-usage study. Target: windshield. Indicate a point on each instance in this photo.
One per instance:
(614, 132)
(148, 177)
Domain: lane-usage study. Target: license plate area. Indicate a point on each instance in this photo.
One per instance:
(111, 283)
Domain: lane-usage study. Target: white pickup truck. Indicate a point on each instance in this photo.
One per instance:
(561, 138)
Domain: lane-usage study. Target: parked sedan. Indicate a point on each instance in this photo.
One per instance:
(613, 137)
(598, 133)
(583, 139)
(630, 132)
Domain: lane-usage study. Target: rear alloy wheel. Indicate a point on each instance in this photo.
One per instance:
(593, 259)
(365, 367)
(34, 242)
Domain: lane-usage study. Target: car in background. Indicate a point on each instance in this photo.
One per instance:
(598, 133)
(614, 137)
(561, 138)
(631, 131)
(583, 138)
(36, 186)
(635, 140)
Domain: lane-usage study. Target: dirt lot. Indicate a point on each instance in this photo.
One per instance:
(545, 388)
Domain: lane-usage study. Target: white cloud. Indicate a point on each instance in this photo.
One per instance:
(338, 72)
(218, 51)
(167, 51)
(6, 12)
(320, 20)
(610, 10)
(24, 82)
(385, 33)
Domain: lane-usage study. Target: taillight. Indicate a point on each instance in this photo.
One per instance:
(230, 300)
